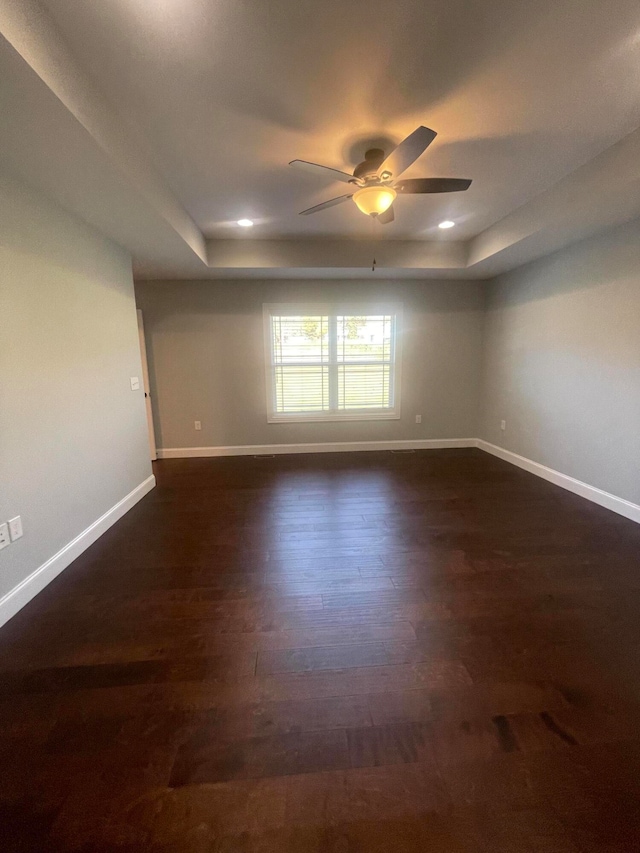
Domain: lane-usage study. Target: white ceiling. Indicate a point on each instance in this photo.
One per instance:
(218, 96)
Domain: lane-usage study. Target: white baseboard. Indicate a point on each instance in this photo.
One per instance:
(321, 447)
(15, 599)
(591, 493)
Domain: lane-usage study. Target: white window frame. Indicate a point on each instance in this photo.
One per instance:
(332, 310)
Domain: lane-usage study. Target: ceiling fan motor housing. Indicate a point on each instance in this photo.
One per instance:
(373, 159)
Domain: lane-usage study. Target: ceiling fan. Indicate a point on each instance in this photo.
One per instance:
(376, 178)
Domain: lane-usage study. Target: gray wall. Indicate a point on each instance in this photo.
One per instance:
(562, 362)
(73, 438)
(206, 352)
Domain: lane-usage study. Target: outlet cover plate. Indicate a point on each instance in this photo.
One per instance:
(15, 528)
(4, 536)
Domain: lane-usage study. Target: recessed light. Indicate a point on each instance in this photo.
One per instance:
(246, 223)
(446, 224)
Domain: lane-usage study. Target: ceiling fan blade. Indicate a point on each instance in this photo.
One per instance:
(408, 151)
(432, 185)
(386, 217)
(322, 171)
(331, 203)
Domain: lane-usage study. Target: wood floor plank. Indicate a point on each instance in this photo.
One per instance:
(122, 674)
(319, 658)
(400, 743)
(239, 722)
(204, 759)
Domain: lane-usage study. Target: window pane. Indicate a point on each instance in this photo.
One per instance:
(300, 340)
(301, 388)
(364, 338)
(364, 386)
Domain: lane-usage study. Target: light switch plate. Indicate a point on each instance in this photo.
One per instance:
(135, 383)
(15, 528)
(4, 536)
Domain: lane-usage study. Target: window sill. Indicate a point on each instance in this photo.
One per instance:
(305, 419)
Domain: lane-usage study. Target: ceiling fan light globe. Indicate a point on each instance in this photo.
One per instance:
(374, 200)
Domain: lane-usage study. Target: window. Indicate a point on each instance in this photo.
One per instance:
(331, 363)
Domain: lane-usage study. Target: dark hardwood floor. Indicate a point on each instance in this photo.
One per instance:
(350, 653)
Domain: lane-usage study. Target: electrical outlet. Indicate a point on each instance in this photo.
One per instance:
(418, 419)
(4, 536)
(197, 424)
(503, 425)
(15, 528)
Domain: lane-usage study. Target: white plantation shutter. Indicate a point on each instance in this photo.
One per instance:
(331, 365)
